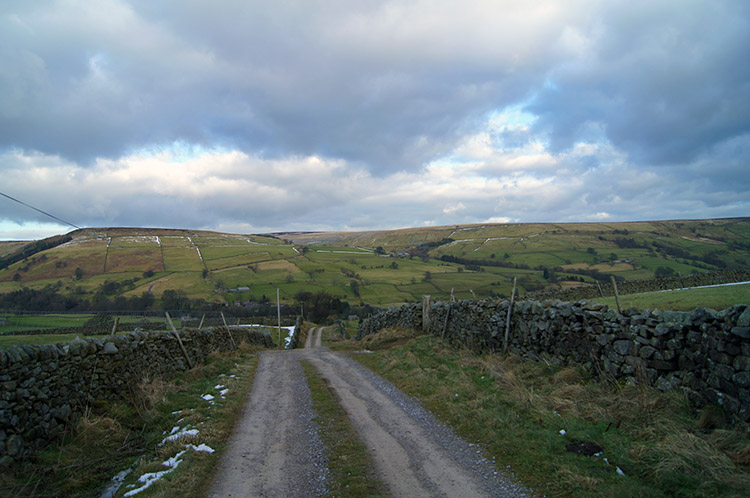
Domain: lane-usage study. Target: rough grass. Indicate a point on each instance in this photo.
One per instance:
(516, 409)
(388, 337)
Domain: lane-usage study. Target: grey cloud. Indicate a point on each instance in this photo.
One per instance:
(384, 87)
(666, 80)
(262, 76)
(389, 85)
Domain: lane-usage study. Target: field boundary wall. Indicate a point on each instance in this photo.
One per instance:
(45, 388)
(704, 354)
(589, 291)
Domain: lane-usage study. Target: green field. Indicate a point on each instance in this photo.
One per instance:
(718, 298)
(182, 259)
(7, 341)
(42, 321)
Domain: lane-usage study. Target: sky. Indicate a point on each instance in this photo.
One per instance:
(317, 115)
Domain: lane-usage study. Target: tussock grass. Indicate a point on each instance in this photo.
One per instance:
(385, 338)
(388, 337)
(516, 409)
(147, 394)
(683, 453)
(99, 432)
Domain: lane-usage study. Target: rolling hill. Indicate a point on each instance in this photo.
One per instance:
(374, 267)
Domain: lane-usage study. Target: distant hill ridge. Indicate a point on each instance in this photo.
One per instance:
(379, 267)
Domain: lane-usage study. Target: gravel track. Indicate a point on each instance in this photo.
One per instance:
(277, 451)
(414, 453)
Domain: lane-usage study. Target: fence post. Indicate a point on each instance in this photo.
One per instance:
(617, 295)
(234, 344)
(114, 327)
(278, 316)
(601, 292)
(425, 313)
(200, 325)
(179, 340)
(507, 318)
(447, 315)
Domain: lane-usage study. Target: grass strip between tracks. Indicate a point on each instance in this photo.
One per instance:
(350, 465)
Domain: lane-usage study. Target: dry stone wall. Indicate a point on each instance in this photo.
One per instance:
(43, 388)
(640, 286)
(703, 353)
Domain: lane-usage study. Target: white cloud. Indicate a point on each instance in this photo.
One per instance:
(497, 219)
(229, 190)
(454, 208)
(601, 216)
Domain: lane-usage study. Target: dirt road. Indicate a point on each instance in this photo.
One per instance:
(276, 450)
(314, 338)
(414, 453)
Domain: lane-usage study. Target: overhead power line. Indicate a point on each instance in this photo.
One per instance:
(40, 211)
(96, 235)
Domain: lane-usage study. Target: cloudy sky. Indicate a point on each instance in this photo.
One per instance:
(257, 116)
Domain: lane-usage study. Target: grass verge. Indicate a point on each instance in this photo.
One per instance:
(541, 420)
(130, 434)
(385, 339)
(349, 463)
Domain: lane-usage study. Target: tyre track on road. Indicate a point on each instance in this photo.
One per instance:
(275, 450)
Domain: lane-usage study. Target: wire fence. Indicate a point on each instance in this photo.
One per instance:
(116, 322)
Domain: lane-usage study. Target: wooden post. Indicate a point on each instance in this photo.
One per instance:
(425, 313)
(445, 324)
(200, 325)
(601, 292)
(114, 327)
(234, 344)
(617, 295)
(278, 315)
(453, 298)
(507, 318)
(179, 340)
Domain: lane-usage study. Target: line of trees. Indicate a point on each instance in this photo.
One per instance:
(482, 262)
(32, 248)
(49, 299)
(319, 307)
